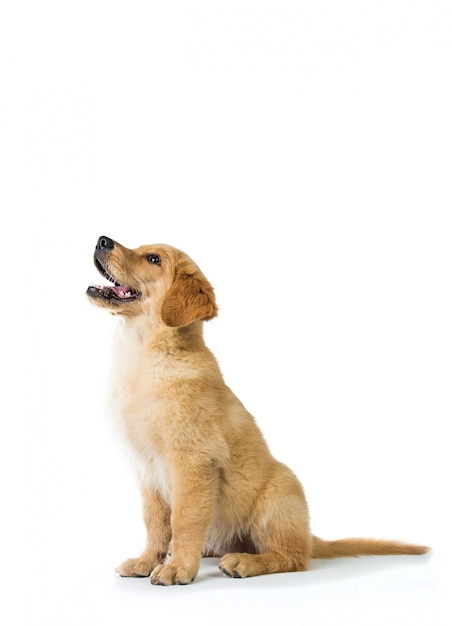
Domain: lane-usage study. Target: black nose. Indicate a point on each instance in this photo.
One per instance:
(105, 243)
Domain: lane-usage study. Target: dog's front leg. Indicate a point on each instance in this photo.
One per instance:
(195, 484)
(156, 514)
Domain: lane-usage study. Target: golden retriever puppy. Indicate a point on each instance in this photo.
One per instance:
(209, 484)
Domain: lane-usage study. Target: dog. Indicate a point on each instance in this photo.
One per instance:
(209, 484)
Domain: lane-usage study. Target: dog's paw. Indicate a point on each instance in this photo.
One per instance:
(239, 565)
(171, 574)
(137, 568)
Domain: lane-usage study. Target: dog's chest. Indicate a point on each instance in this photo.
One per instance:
(137, 407)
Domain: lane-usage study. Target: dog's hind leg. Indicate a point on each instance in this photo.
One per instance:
(279, 531)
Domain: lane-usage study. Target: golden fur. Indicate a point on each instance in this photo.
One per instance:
(209, 484)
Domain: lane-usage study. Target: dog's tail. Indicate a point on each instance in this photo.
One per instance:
(322, 549)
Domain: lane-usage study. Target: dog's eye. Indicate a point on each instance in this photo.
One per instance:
(154, 259)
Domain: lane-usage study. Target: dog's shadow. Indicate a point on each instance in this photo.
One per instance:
(322, 571)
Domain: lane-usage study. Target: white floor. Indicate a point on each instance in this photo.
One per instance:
(372, 590)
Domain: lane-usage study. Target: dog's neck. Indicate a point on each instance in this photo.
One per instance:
(161, 338)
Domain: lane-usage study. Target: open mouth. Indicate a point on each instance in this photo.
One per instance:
(116, 291)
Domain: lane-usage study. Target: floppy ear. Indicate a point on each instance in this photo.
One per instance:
(189, 299)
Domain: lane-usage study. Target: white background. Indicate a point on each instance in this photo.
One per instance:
(300, 152)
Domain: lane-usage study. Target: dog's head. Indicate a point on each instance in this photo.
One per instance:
(157, 278)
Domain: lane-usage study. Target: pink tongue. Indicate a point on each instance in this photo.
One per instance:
(121, 291)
